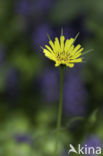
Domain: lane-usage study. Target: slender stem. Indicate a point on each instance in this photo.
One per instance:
(59, 111)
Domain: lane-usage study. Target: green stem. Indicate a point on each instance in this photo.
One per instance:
(59, 111)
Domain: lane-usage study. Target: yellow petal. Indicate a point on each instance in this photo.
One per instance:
(76, 56)
(76, 60)
(48, 54)
(68, 44)
(52, 45)
(57, 64)
(48, 48)
(57, 45)
(76, 48)
(70, 65)
(79, 51)
(71, 50)
(62, 43)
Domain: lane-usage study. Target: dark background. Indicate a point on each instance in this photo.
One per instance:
(29, 82)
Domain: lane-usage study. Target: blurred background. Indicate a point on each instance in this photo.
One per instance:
(29, 82)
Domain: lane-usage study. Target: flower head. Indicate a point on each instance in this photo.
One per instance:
(63, 52)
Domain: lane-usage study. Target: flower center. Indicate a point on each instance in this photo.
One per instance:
(62, 57)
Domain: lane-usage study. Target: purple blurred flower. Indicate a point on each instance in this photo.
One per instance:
(33, 8)
(93, 141)
(23, 138)
(12, 82)
(40, 35)
(49, 85)
(43, 6)
(79, 25)
(75, 95)
(68, 31)
(25, 7)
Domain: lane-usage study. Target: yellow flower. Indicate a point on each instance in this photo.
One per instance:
(63, 52)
